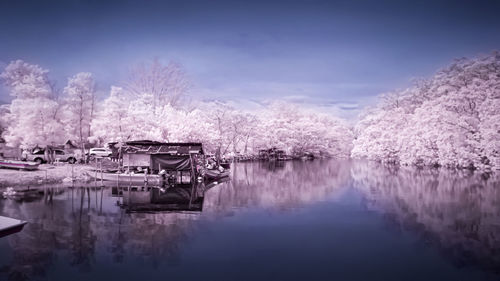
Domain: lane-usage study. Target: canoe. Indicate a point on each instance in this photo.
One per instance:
(10, 226)
(14, 164)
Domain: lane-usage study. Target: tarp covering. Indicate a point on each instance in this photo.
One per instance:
(170, 162)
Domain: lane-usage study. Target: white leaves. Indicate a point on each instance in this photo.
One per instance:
(34, 123)
(26, 80)
(165, 84)
(448, 120)
(33, 116)
(78, 108)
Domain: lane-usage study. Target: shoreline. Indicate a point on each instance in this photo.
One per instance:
(46, 174)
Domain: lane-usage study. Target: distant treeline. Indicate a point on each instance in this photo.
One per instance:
(451, 119)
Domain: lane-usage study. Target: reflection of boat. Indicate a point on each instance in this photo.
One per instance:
(13, 164)
(307, 157)
(213, 175)
(10, 226)
(25, 195)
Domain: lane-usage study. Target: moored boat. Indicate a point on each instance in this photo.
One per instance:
(10, 226)
(211, 175)
(14, 164)
(126, 177)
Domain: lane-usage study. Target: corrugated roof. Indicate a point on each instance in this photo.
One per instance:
(152, 147)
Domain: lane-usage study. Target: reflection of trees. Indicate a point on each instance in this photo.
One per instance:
(156, 237)
(457, 210)
(81, 241)
(70, 227)
(291, 185)
(34, 247)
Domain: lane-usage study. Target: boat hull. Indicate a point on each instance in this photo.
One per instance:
(126, 178)
(211, 175)
(10, 226)
(13, 164)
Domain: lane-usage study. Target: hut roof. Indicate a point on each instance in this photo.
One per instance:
(154, 147)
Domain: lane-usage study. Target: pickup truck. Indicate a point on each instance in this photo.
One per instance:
(39, 156)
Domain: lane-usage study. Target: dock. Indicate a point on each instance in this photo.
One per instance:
(10, 226)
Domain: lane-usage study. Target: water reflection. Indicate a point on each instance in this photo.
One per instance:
(75, 222)
(80, 228)
(456, 211)
(279, 185)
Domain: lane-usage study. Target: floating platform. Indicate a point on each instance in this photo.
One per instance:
(10, 226)
(22, 165)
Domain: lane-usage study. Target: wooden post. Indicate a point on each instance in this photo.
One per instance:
(101, 172)
(129, 189)
(193, 172)
(100, 210)
(95, 177)
(73, 172)
(193, 180)
(95, 190)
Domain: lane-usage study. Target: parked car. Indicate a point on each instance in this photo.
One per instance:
(100, 152)
(39, 156)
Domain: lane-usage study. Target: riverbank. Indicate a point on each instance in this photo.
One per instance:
(46, 174)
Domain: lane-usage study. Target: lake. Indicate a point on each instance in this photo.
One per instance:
(314, 220)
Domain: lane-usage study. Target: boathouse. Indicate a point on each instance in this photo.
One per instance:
(272, 154)
(158, 156)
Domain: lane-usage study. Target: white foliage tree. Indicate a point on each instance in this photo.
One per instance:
(33, 117)
(165, 84)
(297, 131)
(79, 107)
(111, 121)
(449, 120)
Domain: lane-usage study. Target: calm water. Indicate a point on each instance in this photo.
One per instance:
(319, 220)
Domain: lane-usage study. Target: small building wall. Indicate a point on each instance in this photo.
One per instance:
(137, 160)
(9, 152)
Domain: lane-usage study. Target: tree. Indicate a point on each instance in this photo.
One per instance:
(26, 80)
(111, 121)
(33, 117)
(448, 120)
(78, 108)
(165, 84)
(298, 131)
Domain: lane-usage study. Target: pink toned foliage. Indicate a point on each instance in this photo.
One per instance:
(449, 120)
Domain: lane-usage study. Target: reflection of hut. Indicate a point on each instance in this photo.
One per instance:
(177, 159)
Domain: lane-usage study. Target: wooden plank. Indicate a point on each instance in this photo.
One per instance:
(10, 226)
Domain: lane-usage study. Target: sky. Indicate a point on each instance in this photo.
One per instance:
(338, 55)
